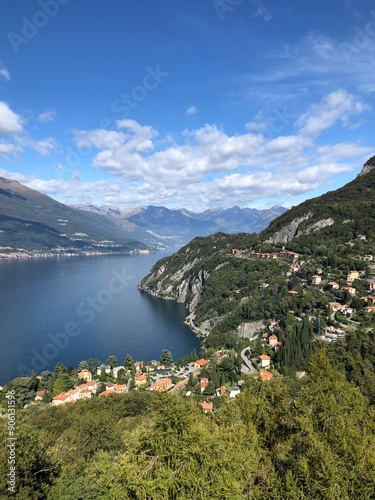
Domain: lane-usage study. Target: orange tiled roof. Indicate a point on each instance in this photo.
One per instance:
(266, 375)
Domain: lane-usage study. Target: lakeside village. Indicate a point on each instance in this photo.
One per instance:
(203, 379)
(216, 374)
(21, 253)
(353, 293)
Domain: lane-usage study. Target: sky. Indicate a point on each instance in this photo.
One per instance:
(197, 104)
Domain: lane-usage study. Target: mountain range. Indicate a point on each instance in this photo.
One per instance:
(33, 222)
(163, 227)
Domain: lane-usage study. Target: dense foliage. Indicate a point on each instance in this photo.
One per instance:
(273, 441)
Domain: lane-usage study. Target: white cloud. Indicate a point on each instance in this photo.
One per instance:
(44, 147)
(10, 151)
(205, 167)
(47, 116)
(4, 73)
(10, 122)
(191, 111)
(337, 106)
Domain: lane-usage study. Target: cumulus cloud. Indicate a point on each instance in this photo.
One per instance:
(337, 106)
(206, 167)
(10, 151)
(47, 116)
(10, 122)
(44, 147)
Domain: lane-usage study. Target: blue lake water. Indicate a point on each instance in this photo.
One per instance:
(71, 309)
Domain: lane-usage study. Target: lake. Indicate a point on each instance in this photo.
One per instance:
(71, 309)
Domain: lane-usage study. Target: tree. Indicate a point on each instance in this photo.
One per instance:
(129, 364)
(210, 389)
(166, 357)
(93, 365)
(112, 361)
(83, 365)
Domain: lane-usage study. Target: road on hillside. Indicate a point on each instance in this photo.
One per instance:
(247, 366)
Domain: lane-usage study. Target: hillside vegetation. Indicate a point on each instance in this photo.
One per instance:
(276, 440)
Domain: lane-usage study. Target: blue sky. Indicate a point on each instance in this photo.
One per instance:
(196, 104)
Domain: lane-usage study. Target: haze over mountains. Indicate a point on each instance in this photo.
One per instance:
(33, 222)
(161, 226)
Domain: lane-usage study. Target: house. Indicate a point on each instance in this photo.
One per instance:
(333, 285)
(140, 380)
(204, 383)
(264, 360)
(39, 395)
(349, 289)
(316, 279)
(85, 394)
(348, 311)
(293, 292)
(74, 395)
(335, 306)
(353, 275)
(200, 363)
(362, 237)
(264, 336)
(266, 375)
(233, 391)
(60, 399)
(138, 366)
(116, 369)
(368, 257)
(163, 384)
(106, 393)
(207, 407)
(106, 368)
(85, 375)
(221, 390)
(89, 386)
(273, 340)
(235, 251)
(369, 309)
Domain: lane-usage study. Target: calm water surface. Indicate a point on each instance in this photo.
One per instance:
(70, 309)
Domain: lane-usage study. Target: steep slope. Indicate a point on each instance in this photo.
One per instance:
(33, 221)
(348, 212)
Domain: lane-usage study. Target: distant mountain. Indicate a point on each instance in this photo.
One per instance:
(162, 226)
(33, 222)
(339, 215)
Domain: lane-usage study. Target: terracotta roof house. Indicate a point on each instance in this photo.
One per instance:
(200, 363)
(85, 375)
(264, 360)
(266, 375)
(333, 285)
(207, 407)
(163, 384)
(316, 279)
(140, 380)
(293, 292)
(273, 340)
(60, 399)
(39, 395)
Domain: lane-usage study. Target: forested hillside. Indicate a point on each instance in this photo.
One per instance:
(282, 439)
